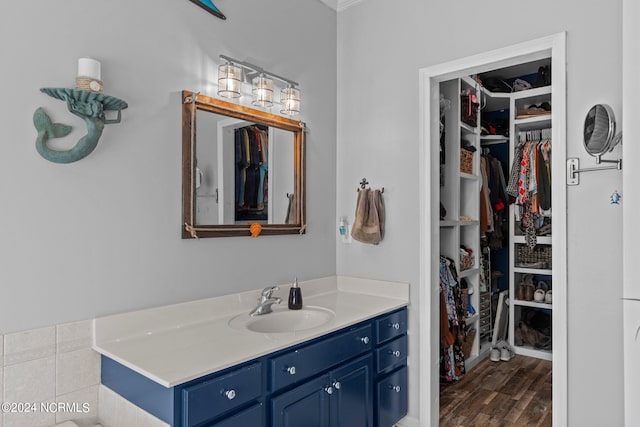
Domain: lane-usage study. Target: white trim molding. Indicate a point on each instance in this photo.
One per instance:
(553, 46)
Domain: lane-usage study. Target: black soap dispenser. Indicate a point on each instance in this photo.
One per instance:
(295, 296)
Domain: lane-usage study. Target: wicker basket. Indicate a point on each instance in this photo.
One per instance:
(467, 344)
(537, 257)
(466, 161)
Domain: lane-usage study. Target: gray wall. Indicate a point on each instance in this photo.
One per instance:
(380, 50)
(103, 235)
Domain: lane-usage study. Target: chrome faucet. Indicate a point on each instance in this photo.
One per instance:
(265, 301)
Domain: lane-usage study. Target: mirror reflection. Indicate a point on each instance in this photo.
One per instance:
(240, 166)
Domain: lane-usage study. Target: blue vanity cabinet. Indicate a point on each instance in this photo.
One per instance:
(306, 405)
(213, 398)
(353, 377)
(341, 398)
(391, 393)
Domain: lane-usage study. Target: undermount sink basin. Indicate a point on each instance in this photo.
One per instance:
(284, 320)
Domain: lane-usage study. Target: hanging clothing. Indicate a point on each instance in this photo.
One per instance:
(452, 324)
(532, 167)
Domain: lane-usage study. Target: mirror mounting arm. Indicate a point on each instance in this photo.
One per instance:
(573, 168)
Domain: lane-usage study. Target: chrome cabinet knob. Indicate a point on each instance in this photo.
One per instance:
(395, 326)
(395, 388)
(395, 353)
(365, 340)
(291, 370)
(337, 385)
(230, 394)
(328, 390)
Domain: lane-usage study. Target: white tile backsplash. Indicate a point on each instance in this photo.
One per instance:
(74, 336)
(29, 345)
(50, 365)
(77, 370)
(32, 381)
(81, 404)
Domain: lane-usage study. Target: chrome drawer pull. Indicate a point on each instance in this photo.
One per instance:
(291, 370)
(231, 394)
(337, 385)
(395, 326)
(328, 390)
(365, 340)
(395, 388)
(395, 353)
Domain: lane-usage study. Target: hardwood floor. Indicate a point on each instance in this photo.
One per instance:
(505, 394)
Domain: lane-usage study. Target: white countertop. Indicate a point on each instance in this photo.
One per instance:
(178, 343)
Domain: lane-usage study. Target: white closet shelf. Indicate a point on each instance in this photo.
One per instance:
(453, 223)
(468, 128)
(533, 304)
(536, 122)
(532, 93)
(493, 140)
(542, 271)
(468, 272)
(469, 320)
(469, 176)
(542, 240)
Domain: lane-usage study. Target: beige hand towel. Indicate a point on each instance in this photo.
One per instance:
(368, 226)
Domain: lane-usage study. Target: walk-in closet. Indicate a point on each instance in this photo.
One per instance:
(496, 287)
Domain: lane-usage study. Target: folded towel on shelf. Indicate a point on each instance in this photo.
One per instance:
(368, 226)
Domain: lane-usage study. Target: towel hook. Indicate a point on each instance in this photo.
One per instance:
(364, 183)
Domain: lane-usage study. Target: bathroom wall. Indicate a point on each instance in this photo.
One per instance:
(380, 50)
(102, 235)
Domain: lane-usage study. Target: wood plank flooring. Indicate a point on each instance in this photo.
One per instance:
(516, 393)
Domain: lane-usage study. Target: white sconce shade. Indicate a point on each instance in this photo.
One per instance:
(290, 101)
(262, 91)
(229, 80)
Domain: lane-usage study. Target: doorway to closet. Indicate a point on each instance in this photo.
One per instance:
(498, 263)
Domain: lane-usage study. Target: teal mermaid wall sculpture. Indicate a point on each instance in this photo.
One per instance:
(89, 106)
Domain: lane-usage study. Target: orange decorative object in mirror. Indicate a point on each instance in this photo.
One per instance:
(255, 229)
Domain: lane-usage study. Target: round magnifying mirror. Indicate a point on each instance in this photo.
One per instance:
(600, 130)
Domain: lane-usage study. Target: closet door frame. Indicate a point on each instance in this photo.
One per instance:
(553, 46)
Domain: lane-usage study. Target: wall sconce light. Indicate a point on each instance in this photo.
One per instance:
(230, 81)
(262, 91)
(290, 100)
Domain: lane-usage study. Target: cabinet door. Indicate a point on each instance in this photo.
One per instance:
(391, 398)
(352, 400)
(306, 405)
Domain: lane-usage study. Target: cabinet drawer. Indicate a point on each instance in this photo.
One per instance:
(392, 354)
(391, 326)
(312, 359)
(214, 397)
(391, 398)
(484, 305)
(485, 313)
(485, 321)
(484, 329)
(253, 417)
(485, 298)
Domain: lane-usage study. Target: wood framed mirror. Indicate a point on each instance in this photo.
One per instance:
(240, 166)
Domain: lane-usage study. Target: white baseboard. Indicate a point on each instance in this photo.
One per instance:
(408, 422)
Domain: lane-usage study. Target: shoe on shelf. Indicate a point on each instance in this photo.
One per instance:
(495, 354)
(506, 353)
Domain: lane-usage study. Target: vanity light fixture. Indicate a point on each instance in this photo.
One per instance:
(262, 91)
(230, 79)
(290, 100)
